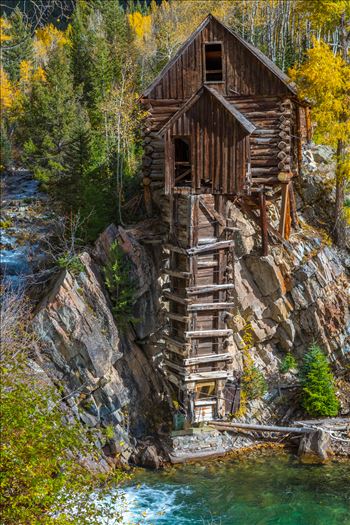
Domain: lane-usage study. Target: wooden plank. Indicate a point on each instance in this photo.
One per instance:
(202, 376)
(178, 317)
(178, 344)
(225, 425)
(194, 290)
(211, 358)
(208, 333)
(211, 247)
(207, 264)
(169, 296)
(209, 306)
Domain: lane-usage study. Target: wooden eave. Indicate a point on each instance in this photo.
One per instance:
(229, 107)
(275, 70)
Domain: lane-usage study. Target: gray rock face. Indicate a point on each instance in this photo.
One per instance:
(108, 379)
(315, 447)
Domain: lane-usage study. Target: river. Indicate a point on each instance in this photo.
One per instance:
(268, 490)
(26, 220)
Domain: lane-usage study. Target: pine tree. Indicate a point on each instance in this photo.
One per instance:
(20, 45)
(318, 393)
(46, 125)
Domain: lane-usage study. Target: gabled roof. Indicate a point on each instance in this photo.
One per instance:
(229, 107)
(254, 50)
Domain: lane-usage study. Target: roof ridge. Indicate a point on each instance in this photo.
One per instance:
(275, 70)
(230, 107)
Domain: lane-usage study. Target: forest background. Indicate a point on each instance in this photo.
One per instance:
(72, 73)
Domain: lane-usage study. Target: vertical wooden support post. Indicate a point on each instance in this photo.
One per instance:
(308, 123)
(285, 210)
(263, 220)
(293, 206)
(299, 140)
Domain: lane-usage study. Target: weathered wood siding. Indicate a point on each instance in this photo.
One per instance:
(244, 73)
(218, 144)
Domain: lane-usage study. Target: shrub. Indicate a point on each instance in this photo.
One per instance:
(253, 382)
(288, 362)
(72, 263)
(121, 285)
(318, 392)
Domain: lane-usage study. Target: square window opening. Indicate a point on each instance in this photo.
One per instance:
(213, 62)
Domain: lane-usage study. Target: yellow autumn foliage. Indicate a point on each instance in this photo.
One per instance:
(324, 79)
(141, 24)
(47, 38)
(28, 73)
(4, 27)
(8, 91)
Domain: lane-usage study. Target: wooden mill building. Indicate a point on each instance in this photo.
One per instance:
(224, 124)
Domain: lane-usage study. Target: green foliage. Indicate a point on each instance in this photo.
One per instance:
(288, 362)
(5, 147)
(20, 45)
(72, 263)
(318, 392)
(253, 382)
(6, 223)
(43, 477)
(109, 432)
(120, 285)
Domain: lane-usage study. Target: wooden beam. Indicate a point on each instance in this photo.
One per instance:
(207, 264)
(175, 342)
(178, 317)
(293, 206)
(207, 359)
(263, 223)
(203, 376)
(224, 426)
(220, 245)
(169, 296)
(194, 290)
(284, 209)
(209, 306)
(208, 333)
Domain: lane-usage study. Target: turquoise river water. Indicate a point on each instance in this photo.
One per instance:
(269, 490)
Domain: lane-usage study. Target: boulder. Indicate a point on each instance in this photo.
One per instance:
(150, 458)
(315, 447)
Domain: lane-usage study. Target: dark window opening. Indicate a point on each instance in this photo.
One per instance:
(183, 168)
(213, 62)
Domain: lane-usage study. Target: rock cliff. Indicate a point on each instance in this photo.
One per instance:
(110, 382)
(113, 378)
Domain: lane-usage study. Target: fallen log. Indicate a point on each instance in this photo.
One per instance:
(226, 426)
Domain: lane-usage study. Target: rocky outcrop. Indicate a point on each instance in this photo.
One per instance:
(110, 383)
(297, 295)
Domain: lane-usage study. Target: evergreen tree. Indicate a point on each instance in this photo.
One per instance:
(20, 45)
(47, 122)
(318, 393)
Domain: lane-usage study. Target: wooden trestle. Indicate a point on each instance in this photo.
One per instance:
(200, 274)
